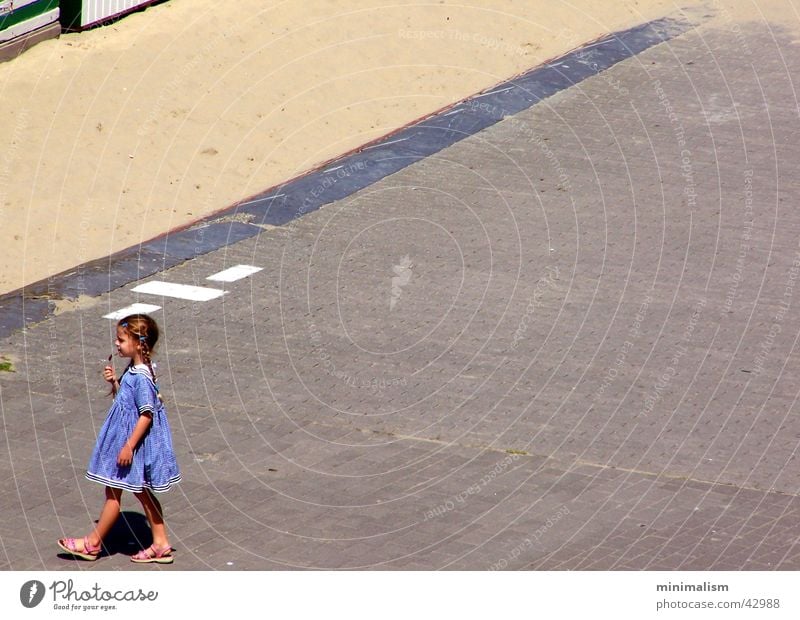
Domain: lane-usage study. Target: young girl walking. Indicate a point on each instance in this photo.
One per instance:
(134, 447)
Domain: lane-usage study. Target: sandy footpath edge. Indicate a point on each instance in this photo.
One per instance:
(116, 135)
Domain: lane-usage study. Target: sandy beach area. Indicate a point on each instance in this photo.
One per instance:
(116, 135)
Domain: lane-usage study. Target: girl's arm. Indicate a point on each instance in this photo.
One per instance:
(125, 456)
(108, 375)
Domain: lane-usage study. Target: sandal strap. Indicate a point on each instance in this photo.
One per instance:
(71, 544)
(87, 548)
(153, 553)
(160, 553)
(148, 553)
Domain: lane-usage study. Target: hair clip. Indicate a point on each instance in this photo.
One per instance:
(142, 338)
(123, 325)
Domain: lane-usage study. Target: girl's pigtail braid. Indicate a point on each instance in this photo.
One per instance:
(146, 355)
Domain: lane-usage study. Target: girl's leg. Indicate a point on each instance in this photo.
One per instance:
(108, 516)
(154, 514)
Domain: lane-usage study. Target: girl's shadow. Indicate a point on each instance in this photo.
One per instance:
(129, 534)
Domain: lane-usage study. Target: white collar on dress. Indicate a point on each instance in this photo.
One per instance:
(142, 369)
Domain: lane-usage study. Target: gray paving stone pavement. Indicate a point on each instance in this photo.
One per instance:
(566, 342)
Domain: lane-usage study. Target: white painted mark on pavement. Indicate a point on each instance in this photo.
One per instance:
(179, 291)
(234, 273)
(492, 92)
(255, 200)
(374, 146)
(132, 309)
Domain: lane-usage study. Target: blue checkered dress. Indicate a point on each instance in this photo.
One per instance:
(154, 466)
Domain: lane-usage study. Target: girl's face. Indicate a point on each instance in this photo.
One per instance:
(127, 345)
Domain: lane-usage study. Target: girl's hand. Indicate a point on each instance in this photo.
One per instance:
(108, 375)
(125, 456)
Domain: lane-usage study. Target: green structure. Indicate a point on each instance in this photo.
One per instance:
(80, 14)
(25, 22)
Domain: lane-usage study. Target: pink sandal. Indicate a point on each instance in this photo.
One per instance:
(153, 554)
(89, 553)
